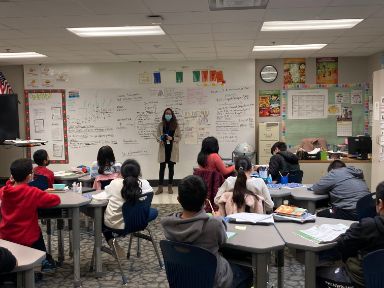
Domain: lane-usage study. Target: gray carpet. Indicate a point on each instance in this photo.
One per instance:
(143, 271)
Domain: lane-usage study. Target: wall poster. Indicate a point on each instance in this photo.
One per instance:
(269, 103)
(327, 70)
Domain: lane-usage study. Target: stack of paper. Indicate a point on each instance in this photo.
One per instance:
(306, 217)
(285, 213)
(323, 233)
(251, 218)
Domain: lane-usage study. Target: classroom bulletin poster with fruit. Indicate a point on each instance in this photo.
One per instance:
(327, 70)
(294, 71)
(269, 103)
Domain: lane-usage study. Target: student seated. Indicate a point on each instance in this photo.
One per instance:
(195, 227)
(361, 238)
(209, 158)
(345, 186)
(243, 191)
(19, 204)
(128, 188)
(284, 163)
(7, 261)
(41, 158)
(105, 168)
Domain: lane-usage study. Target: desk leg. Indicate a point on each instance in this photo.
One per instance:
(60, 240)
(29, 278)
(76, 246)
(97, 230)
(260, 262)
(311, 206)
(280, 268)
(310, 269)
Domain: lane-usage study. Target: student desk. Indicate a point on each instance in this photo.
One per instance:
(306, 198)
(68, 178)
(27, 259)
(288, 232)
(259, 240)
(71, 203)
(278, 194)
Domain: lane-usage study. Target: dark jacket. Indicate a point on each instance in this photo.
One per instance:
(345, 186)
(362, 238)
(205, 232)
(283, 162)
(7, 260)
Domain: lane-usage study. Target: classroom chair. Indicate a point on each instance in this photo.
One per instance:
(213, 179)
(136, 219)
(366, 206)
(39, 181)
(295, 176)
(373, 269)
(188, 266)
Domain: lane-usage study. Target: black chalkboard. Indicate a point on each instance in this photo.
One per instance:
(9, 117)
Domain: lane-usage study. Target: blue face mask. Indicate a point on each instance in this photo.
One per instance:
(168, 117)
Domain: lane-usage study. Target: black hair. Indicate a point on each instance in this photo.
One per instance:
(131, 171)
(242, 164)
(20, 169)
(40, 156)
(192, 193)
(105, 158)
(173, 123)
(380, 192)
(336, 164)
(280, 145)
(208, 146)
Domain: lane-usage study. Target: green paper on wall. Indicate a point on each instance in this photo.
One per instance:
(196, 76)
(179, 77)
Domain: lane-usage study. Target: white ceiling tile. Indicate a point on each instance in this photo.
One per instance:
(195, 44)
(231, 43)
(164, 56)
(292, 14)
(355, 2)
(232, 27)
(176, 5)
(186, 29)
(362, 11)
(116, 7)
(355, 39)
(297, 3)
(234, 36)
(192, 37)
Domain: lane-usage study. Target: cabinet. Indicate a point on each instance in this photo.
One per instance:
(269, 134)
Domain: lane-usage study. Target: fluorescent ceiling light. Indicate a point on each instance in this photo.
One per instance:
(288, 47)
(117, 31)
(11, 55)
(310, 25)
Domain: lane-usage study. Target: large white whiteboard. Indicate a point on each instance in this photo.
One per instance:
(110, 107)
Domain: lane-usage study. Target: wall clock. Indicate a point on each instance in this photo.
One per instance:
(268, 73)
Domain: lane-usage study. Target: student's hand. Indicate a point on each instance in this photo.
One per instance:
(169, 138)
(216, 213)
(11, 179)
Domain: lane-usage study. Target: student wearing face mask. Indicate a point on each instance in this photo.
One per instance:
(168, 135)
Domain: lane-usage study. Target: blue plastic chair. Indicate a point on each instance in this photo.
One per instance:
(39, 181)
(136, 219)
(366, 206)
(188, 266)
(373, 269)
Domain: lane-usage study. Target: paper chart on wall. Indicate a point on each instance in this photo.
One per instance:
(307, 104)
(357, 97)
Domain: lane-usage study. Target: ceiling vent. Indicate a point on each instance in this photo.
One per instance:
(237, 4)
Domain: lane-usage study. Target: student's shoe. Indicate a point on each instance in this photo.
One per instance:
(170, 191)
(38, 276)
(159, 190)
(119, 250)
(48, 266)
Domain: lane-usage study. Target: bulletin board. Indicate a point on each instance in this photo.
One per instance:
(293, 130)
(46, 119)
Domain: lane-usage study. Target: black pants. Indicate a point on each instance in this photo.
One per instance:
(40, 245)
(171, 172)
(338, 213)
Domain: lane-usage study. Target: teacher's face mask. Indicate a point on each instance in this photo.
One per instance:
(168, 117)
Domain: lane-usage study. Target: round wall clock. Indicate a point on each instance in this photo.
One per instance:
(268, 73)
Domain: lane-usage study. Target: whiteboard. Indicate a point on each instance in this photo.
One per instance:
(107, 105)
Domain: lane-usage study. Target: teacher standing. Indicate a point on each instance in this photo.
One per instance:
(168, 136)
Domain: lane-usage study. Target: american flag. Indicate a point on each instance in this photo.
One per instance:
(5, 88)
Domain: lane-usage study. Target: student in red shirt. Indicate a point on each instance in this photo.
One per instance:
(19, 204)
(41, 158)
(209, 158)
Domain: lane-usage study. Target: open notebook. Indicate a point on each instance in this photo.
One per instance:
(251, 218)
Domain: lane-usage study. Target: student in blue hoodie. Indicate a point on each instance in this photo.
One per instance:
(345, 186)
(195, 227)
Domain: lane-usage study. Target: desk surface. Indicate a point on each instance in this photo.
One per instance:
(70, 177)
(27, 257)
(303, 193)
(255, 238)
(345, 159)
(288, 231)
(71, 199)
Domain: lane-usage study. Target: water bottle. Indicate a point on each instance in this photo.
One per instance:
(269, 179)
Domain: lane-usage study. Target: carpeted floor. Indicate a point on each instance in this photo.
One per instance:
(143, 271)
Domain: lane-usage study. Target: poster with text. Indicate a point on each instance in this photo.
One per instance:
(327, 70)
(269, 103)
(294, 70)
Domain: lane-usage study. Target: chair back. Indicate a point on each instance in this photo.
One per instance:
(39, 181)
(188, 266)
(373, 269)
(366, 206)
(295, 176)
(104, 183)
(136, 215)
(213, 179)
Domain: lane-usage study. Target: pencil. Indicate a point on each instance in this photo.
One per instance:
(209, 202)
(280, 174)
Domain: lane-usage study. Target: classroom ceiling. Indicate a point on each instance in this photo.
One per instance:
(192, 31)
